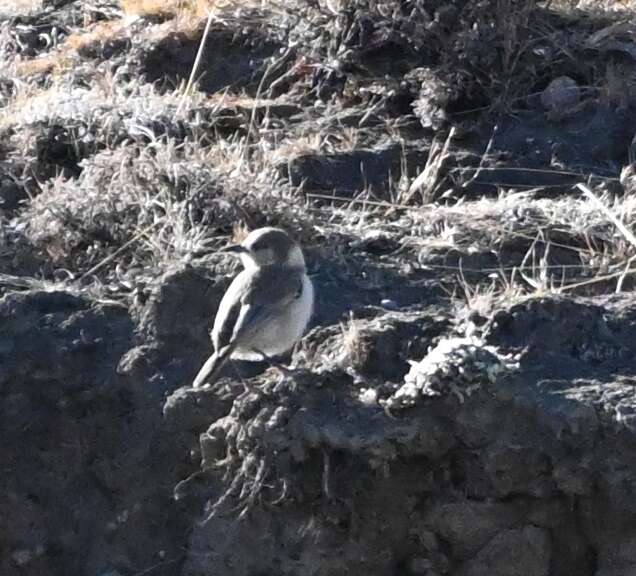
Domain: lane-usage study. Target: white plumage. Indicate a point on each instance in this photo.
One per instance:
(267, 307)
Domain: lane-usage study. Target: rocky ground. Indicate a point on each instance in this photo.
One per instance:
(463, 403)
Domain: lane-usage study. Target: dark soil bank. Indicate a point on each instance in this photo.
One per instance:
(531, 475)
(464, 401)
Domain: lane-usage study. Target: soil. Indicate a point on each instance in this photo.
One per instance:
(463, 402)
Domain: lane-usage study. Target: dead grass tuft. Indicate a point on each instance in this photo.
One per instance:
(117, 167)
(169, 8)
(356, 347)
(62, 59)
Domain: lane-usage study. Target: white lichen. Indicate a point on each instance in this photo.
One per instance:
(458, 366)
(368, 396)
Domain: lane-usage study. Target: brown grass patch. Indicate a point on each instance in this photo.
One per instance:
(61, 59)
(184, 15)
(49, 63)
(170, 8)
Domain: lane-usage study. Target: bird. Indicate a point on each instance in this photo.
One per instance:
(266, 308)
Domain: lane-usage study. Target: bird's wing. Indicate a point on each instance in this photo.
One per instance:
(229, 310)
(253, 297)
(250, 300)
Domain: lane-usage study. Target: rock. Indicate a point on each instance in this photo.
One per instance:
(373, 346)
(483, 486)
(177, 319)
(560, 95)
(421, 566)
(22, 557)
(75, 430)
(618, 557)
(228, 59)
(468, 526)
(520, 552)
(557, 328)
(11, 195)
(513, 470)
(182, 306)
(489, 479)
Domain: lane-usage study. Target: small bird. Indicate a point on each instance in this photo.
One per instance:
(267, 306)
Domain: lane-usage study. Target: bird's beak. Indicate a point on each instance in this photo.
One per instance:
(233, 249)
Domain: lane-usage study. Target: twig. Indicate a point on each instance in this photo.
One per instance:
(430, 175)
(626, 232)
(483, 158)
(534, 171)
(621, 278)
(595, 280)
(117, 252)
(197, 61)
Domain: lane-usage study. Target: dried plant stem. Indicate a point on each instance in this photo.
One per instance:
(197, 62)
(427, 181)
(483, 159)
(626, 232)
(119, 250)
(596, 280)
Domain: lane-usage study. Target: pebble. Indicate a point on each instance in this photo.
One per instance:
(562, 93)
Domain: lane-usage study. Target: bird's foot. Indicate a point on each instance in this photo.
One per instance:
(285, 370)
(247, 388)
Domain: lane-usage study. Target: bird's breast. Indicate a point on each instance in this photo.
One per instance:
(284, 328)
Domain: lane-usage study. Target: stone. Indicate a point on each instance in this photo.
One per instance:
(561, 94)
(519, 552)
(467, 526)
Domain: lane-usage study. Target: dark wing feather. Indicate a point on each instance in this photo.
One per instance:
(246, 306)
(270, 289)
(222, 335)
(229, 310)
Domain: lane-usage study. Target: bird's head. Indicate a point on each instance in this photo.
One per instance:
(268, 247)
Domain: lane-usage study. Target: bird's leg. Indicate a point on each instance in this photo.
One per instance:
(272, 362)
(246, 387)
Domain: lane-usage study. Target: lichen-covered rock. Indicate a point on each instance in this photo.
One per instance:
(458, 366)
(561, 95)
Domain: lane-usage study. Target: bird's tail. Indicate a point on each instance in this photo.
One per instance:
(210, 370)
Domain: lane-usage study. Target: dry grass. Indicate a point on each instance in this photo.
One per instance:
(64, 57)
(186, 14)
(12, 8)
(596, 6)
(144, 199)
(356, 347)
(155, 183)
(164, 8)
(182, 9)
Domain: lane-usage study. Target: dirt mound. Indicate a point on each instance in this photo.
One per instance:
(463, 401)
(76, 433)
(312, 474)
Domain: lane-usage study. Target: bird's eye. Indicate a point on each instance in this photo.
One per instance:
(260, 246)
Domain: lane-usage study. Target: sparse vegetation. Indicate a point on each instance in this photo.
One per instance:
(457, 173)
(104, 156)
